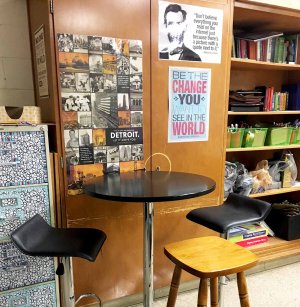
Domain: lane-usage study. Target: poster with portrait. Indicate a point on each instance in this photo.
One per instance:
(189, 33)
(189, 102)
(101, 80)
(41, 65)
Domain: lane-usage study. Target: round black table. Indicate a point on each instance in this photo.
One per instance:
(149, 187)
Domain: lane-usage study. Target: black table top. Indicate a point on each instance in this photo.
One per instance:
(141, 186)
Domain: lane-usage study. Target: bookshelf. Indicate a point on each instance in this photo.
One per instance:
(247, 74)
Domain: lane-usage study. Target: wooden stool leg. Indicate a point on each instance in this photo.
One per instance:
(214, 292)
(174, 286)
(243, 292)
(202, 293)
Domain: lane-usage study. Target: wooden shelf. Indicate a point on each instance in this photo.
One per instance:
(231, 113)
(276, 248)
(294, 188)
(254, 65)
(262, 148)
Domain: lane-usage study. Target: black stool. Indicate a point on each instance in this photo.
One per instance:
(235, 211)
(36, 238)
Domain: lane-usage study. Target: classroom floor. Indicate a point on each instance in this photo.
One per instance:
(278, 287)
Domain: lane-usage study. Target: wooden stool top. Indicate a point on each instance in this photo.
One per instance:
(210, 256)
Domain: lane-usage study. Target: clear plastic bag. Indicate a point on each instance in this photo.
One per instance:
(288, 157)
(230, 177)
(244, 182)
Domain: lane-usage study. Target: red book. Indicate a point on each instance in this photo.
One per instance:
(253, 241)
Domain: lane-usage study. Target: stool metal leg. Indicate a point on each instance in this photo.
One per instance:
(214, 292)
(222, 279)
(68, 283)
(148, 254)
(202, 293)
(174, 286)
(243, 292)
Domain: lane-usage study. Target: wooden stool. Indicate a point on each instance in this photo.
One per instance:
(209, 257)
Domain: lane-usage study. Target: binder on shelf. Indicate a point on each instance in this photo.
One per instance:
(294, 96)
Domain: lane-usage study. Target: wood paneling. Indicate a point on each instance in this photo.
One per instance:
(118, 270)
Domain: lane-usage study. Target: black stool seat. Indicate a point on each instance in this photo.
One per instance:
(36, 238)
(236, 210)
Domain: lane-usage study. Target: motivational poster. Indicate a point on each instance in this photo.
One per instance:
(189, 32)
(189, 102)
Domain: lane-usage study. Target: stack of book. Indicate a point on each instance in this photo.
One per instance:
(248, 235)
(267, 46)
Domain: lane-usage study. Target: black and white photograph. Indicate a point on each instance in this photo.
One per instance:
(123, 102)
(82, 82)
(85, 137)
(113, 154)
(110, 83)
(95, 44)
(109, 45)
(96, 83)
(100, 154)
(67, 82)
(80, 43)
(84, 120)
(104, 110)
(189, 33)
(95, 63)
(135, 48)
(137, 152)
(136, 101)
(136, 83)
(136, 65)
(136, 118)
(125, 153)
(71, 138)
(123, 65)
(76, 102)
(65, 42)
(72, 155)
(111, 168)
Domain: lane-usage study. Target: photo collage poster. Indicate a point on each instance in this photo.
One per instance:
(101, 85)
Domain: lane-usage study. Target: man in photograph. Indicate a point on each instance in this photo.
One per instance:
(176, 26)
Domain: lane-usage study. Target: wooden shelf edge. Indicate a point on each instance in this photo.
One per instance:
(294, 188)
(288, 112)
(262, 148)
(248, 64)
(276, 248)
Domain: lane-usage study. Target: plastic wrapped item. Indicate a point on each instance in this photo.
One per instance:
(276, 168)
(244, 182)
(262, 180)
(289, 175)
(230, 177)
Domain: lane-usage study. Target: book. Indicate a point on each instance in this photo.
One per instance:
(252, 241)
(258, 35)
(245, 232)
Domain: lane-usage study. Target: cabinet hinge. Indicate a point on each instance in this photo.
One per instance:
(51, 7)
(62, 162)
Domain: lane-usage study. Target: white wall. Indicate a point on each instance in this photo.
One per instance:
(16, 80)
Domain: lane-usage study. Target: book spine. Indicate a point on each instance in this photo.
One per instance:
(247, 236)
(253, 241)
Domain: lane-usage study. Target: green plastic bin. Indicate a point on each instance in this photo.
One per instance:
(295, 136)
(254, 137)
(235, 135)
(278, 136)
